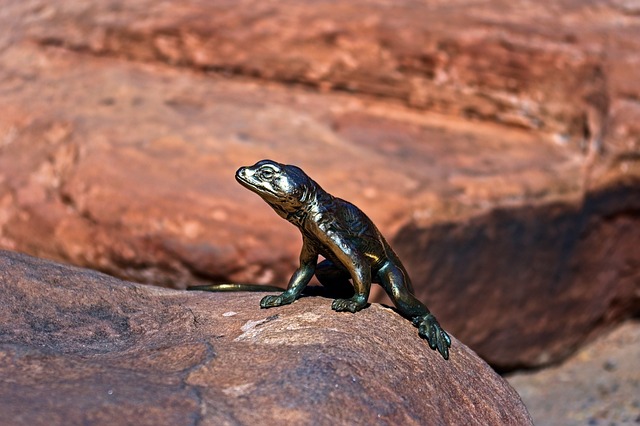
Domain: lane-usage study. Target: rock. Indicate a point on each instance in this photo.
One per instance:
(600, 384)
(512, 62)
(549, 277)
(77, 346)
(122, 126)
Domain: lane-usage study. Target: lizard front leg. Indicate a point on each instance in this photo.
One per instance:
(362, 285)
(297, 282)
(360, 271)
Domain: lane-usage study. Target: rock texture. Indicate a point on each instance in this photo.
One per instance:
(600, 384)
(513, 61)
(466, 130)
(551, 275)
(80, 347)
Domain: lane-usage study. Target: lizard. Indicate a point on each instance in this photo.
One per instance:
(352, 247)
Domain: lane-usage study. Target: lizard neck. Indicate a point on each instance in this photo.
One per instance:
(313, 200)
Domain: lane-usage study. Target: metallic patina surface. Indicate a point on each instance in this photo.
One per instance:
(351, 244)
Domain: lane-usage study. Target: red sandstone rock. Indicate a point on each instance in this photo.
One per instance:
(556, 273)
(122, 126)
(80, 347)
(509, 61)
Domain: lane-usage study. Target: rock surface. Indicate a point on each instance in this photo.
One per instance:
(528, 64)
(123, 123)
(551, 275)
(80, 347)
(600, 384)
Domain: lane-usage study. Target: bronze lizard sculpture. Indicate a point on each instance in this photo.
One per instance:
(348, 240)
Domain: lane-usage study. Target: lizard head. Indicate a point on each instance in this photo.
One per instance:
(284, 187)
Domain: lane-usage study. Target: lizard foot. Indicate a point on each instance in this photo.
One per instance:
(272, 301)
(430, 329)
(352, 305)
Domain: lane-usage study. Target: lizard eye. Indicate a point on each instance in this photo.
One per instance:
(266, 174)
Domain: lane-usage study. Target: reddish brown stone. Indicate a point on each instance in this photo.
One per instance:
(532, 282)
(80, 347)
(506, 61)
(123, 123)
(135, 176)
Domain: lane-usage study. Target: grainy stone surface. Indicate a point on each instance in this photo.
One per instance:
(80, 347)
(457, 126)
(599, 385)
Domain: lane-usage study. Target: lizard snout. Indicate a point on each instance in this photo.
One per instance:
(241, 173)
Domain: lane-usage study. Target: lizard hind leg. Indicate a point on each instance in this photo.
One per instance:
(393, 280)
(335, 280)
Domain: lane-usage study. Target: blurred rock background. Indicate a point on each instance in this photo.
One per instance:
(495, 143)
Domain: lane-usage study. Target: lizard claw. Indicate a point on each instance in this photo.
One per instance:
(352, 305)
(272, 301)
(430, 329)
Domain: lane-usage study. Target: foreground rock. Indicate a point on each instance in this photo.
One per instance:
(600, 384)
(122, 126)
(79, 347)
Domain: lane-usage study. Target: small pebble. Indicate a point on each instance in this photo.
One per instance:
(610, 365)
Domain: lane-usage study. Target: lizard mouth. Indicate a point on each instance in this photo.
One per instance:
(242, 179)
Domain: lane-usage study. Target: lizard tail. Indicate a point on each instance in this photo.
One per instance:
(235, 287)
